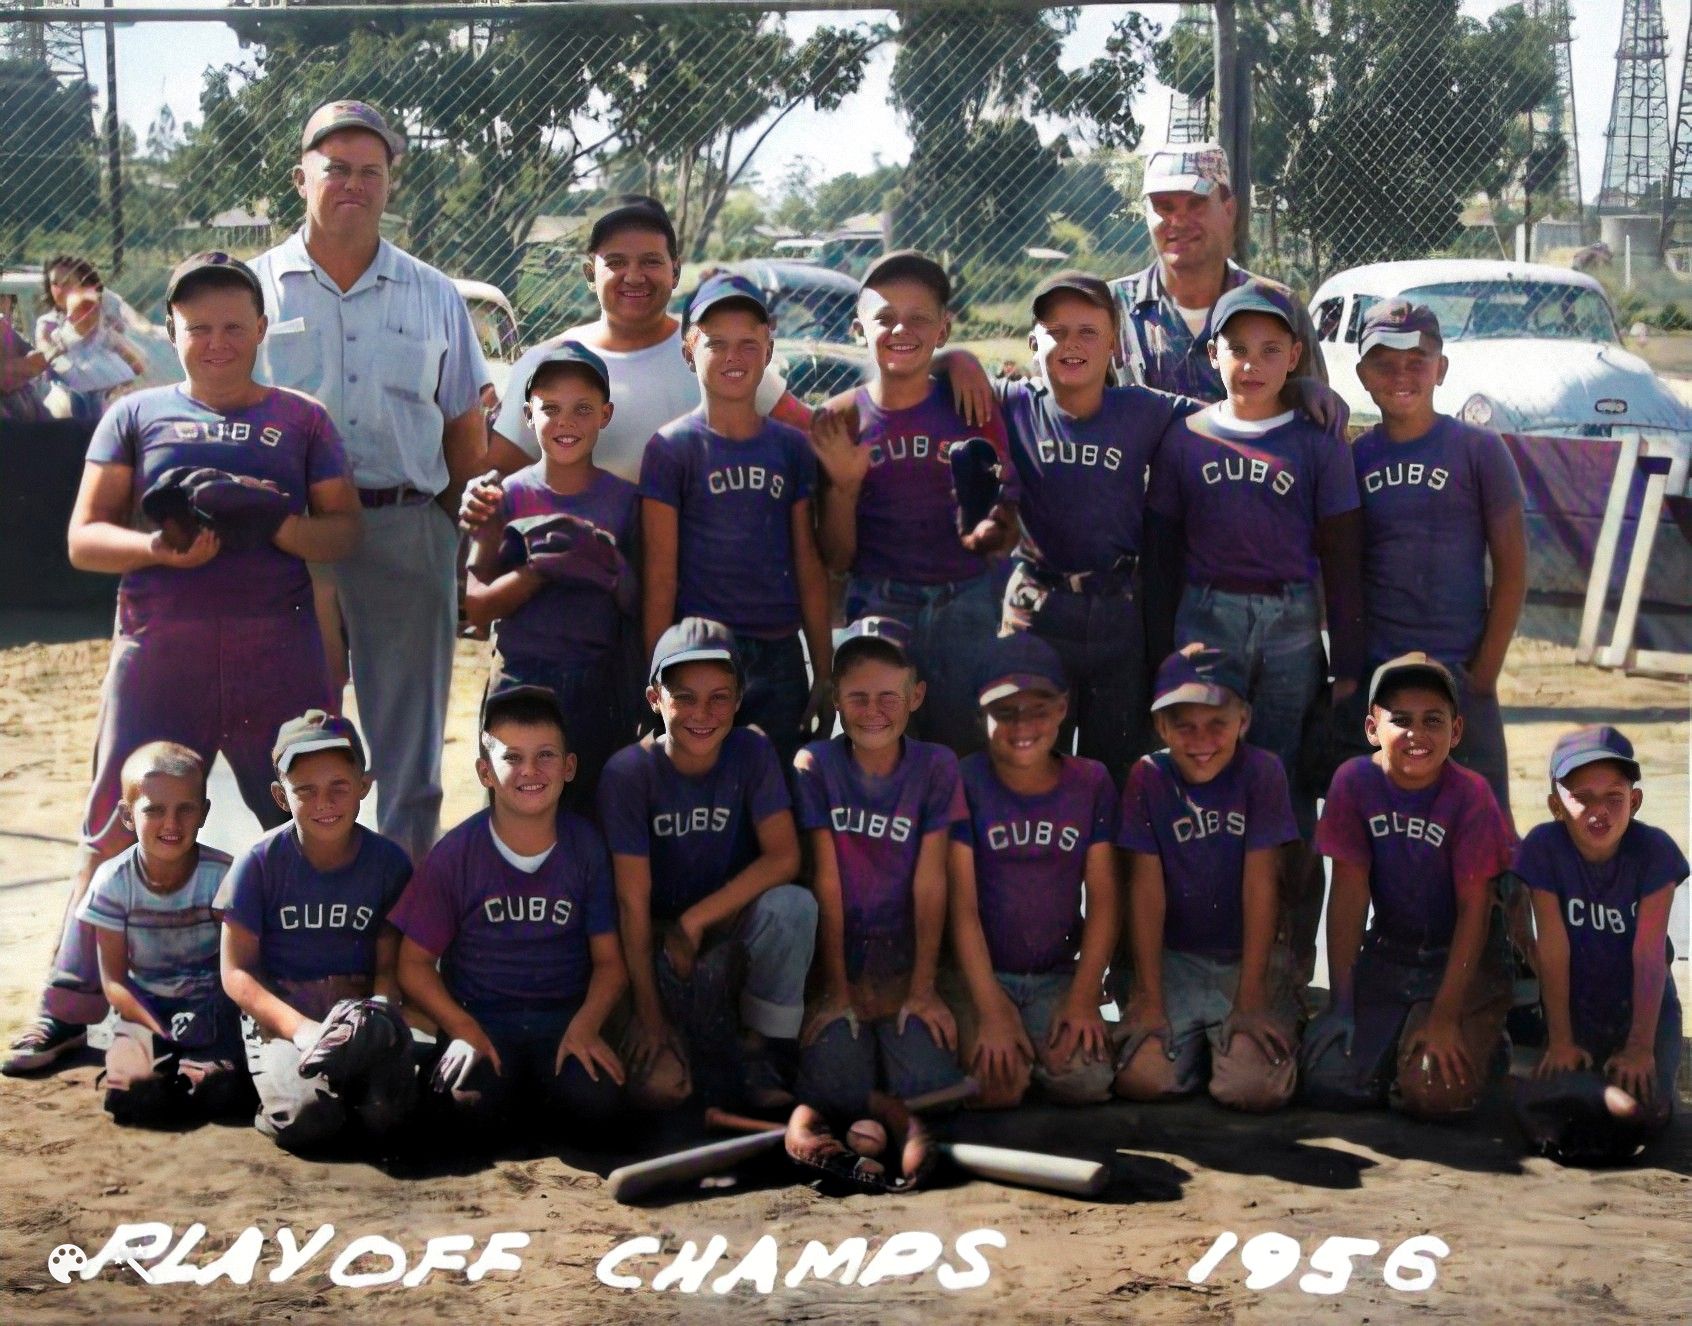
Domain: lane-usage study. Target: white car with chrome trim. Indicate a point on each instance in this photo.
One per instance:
(1532, 348)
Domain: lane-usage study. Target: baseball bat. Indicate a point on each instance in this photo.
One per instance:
(629, 1183)
(1030, 1169)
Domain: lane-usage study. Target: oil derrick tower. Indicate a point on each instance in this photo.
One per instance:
(56, 45)
(1554, 119)
(1677, 197)
(1636, 143)
(1189, 117)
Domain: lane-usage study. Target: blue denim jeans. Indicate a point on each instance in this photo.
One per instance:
(777, 687)
(527, 1043)
(837, 1071)
(950, 626)
(1277, 640)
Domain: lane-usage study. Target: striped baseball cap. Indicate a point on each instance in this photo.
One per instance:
(1200, 168)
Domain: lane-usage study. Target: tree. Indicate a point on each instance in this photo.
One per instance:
(49, 171)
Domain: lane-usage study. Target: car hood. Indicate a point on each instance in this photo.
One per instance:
(1543, 383)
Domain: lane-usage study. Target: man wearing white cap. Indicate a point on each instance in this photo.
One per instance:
(385, 342)
(1165, 310)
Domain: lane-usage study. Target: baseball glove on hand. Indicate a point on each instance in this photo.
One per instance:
(902, 1165)
(975, 481)
(358, 1034)
(563, 547)
(243, 512)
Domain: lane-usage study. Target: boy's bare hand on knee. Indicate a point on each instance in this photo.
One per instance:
(1144, 1020)
(1437, 1047)
(1565, 1058)
(1261, 1030)
(1077, 1028)
(645, 1039)
(1002, 1047)
(1634, 1070)
(589, 1049)
(929, 1009)
(833, 1009)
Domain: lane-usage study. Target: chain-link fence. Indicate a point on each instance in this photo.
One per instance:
(1002, 137)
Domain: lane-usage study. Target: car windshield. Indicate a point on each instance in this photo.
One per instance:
(815, 313)
(1540, 310)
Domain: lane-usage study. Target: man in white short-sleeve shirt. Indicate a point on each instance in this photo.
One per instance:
(386, 343)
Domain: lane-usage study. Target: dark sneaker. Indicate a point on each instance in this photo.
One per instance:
(41, 1044)
(765, 1080)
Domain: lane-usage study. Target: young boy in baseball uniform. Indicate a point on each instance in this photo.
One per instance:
(175, 1054)
(704, 852)
(1437, 492)
(216, 643)
(308, 951)
(1038, 841)
(888, 512)
(726, 521)
(1418, 1000)
(1204, 820)
(1602, 882)
(560, 620)
(510, 937)
(878, 807)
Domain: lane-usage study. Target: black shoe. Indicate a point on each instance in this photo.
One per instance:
(43, 1043)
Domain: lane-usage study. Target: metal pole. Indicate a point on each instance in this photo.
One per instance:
(114, 150)
(1233, 119)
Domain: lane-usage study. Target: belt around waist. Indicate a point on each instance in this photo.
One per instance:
(1246, 585)
(400, 495)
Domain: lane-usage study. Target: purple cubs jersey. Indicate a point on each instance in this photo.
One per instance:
(314, 923)
(1600, 906)
(907, 514)
(1250, 502)
(735, 500)
(506, 938)
(171, 939)
(1031, 858)
(1419, 848)
(567, 621)
(878, 825)
(1083, 481)
(1200, 834)
(286, 438)
(696, 831)
(1426, 503)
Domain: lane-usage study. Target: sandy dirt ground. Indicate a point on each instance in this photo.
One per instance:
(1525, 1239)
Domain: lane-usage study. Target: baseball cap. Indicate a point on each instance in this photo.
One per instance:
(628, 211)
(333, 116)
(888, 630)
(1196, 676)
(726, 288)
(694, 640)
(1200, 168)
(1399, 325)
(212, 261)
(1414, 667)
(571, 352)
(497, 705)
(1021, 662)
(1089, 287)
(909, 265)
(1590, 745)
(1250, 296)
(313, 731)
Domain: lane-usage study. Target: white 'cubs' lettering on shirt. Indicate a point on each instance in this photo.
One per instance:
(701, 819)
(746, 479)
(916, 447)
(1406, 474)
(1406, 826)
(871, 824)
(1583, 915)
(324, 916)
(1246, 469)
(503, 908)
(195, 430)
(1204, 823)
(1032, 833)
(1078, 453)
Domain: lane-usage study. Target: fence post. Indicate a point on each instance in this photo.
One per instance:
(1233, 119)
(114, 150)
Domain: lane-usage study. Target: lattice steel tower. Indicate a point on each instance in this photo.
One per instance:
(1554, 119)
(1677, 198)
(1636, 144)
(1189, 117)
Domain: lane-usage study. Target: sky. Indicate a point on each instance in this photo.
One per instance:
(163, 64)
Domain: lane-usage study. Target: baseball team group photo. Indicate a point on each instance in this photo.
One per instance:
(957, 761)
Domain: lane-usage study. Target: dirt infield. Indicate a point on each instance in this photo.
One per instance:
(1524, 1239)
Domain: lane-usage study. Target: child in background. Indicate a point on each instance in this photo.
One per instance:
(1602, 883)
(878, 808)
(560, 618)
(176, 1051)
(305, 939)
(1418, 1002)
(1038, 835)
(887, 511)
(704, 852)
(726, 517)
(1204, 820)
(510, 938)
(88, 357)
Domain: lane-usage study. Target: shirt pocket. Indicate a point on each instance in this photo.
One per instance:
(292, 356)
(410, 369)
